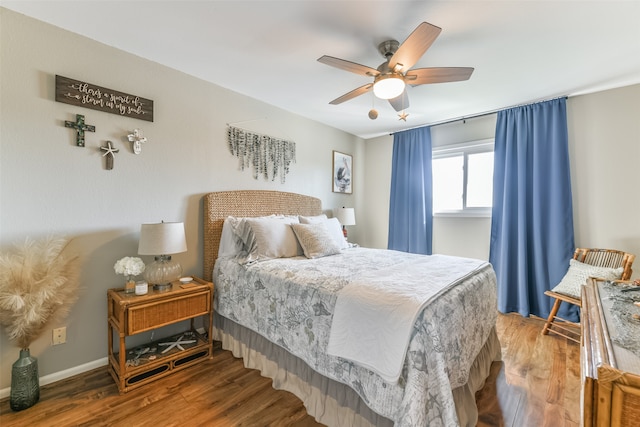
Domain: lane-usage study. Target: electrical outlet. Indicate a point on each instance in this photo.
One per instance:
(60, 335)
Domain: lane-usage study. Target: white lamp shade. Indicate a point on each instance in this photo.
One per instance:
(164, 238)
(346, 216)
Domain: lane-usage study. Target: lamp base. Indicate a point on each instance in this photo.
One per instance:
(162, 272)
(162, 287)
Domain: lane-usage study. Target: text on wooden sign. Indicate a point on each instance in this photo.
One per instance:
(76, 92)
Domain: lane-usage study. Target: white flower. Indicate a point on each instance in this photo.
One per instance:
(129, 266)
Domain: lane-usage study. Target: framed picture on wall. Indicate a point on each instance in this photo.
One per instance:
(342, 173)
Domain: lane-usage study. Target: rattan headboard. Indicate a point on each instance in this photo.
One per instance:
(247, 203)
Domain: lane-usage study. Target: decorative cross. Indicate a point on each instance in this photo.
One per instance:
(80, 128)
(109, 152)
(137, 139)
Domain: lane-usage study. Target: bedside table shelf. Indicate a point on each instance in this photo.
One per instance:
(131, 314)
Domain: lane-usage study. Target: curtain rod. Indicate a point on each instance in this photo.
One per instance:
(486, 113)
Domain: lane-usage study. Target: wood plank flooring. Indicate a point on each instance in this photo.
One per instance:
(536, 384)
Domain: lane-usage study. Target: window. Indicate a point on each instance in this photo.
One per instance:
(463, 179)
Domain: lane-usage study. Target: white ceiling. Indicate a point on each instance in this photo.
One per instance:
(522, 51)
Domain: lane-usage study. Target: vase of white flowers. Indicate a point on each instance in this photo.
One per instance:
(130, 267)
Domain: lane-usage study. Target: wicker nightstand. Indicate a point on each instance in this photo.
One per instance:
(131, 314)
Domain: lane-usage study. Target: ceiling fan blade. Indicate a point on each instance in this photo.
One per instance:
(421, 76)
(356, 92)
(349, 66)
(412, 49)
(400, 102)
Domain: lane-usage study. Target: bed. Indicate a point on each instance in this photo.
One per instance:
(284, 328)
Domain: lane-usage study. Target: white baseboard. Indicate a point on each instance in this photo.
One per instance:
(58, 376)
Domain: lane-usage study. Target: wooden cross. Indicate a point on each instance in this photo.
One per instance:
(80, 127)
(109, 152)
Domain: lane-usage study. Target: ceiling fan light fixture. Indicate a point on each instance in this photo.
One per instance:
(388, 86)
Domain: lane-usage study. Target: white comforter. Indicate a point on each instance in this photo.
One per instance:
(372, 320)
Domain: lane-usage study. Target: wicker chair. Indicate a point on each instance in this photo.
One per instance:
(597, 257)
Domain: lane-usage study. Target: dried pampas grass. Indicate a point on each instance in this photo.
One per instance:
(38, 285)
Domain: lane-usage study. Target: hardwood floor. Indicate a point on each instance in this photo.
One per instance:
(536, 384)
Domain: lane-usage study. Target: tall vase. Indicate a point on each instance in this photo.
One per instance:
(25, 383)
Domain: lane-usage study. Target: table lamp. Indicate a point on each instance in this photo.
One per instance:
(162, 240)
(346, 216)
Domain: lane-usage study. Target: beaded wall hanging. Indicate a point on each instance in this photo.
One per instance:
(268, 156)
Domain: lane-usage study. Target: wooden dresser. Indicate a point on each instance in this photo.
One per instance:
(610, 373)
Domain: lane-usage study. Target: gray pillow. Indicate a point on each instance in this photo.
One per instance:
(315, 239)
(579, 273)
(333, 226)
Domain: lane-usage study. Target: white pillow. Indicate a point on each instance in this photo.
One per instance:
(315, 239)
(243, 231)
(230, 243)
(312, 219)
(579, 273)
(272, 238)
(336, 232)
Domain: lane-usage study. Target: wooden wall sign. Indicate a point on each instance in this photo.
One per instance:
(81, 94)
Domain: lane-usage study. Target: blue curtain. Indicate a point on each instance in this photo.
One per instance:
(532, 222)
(410, 209)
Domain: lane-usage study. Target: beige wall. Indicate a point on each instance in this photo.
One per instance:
(604, 144)
(48, 185)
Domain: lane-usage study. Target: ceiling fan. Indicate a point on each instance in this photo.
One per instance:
(391, 77)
